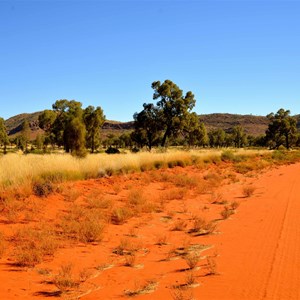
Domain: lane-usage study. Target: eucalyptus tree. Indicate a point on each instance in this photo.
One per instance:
(94, 119)
(282, 129)
(3, 135)
(167, 118)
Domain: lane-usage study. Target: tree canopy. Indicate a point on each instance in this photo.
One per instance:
(282, 130)
(168, 117)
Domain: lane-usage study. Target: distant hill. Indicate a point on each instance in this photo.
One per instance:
(254, 125)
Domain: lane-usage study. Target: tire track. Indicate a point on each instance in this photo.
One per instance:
(282, 231)
(260, 246)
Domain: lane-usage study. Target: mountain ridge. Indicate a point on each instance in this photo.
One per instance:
(252, 124)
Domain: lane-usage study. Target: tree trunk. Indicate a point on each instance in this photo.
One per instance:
(163, 142)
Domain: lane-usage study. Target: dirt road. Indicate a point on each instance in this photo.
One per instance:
(260, 247)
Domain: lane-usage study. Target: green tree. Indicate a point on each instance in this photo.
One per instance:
(25, 135)
(195, 131)
(239, 136)
(46, 122)
(148, 125)
(94, 120)
(282, 129)
(167, 118)
(174, 107)
(39, 141)
(3, 135)
(68, 128)
(217, 137)
(75, 133)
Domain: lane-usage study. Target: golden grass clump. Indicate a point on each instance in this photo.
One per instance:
(248, 191)
(65, 280)
(84, 225)
(203, 227)
(32, 245)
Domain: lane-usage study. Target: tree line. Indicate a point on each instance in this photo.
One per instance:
(169, 121)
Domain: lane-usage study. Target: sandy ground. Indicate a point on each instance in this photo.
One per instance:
(254, 254)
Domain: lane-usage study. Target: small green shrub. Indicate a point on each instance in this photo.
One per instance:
(111, 150)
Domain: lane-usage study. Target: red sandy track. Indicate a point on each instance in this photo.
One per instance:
(260, 247)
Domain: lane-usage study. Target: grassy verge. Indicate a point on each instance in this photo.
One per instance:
(29, 170)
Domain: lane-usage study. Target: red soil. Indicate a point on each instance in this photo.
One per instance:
(256, 250)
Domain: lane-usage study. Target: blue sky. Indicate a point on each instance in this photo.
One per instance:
(235, 56)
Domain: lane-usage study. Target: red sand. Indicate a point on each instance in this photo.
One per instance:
(258, 247)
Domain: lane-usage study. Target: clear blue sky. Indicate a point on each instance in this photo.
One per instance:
(235, 56)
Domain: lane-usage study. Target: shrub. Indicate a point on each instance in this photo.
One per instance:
(227, 156)
(126, 247)
(180, 293)
(227, 212)
(179, 225)
(248, 191)
(42, 189)
(190, 277)
(234, 205)
(33, 245)
(111, 150)
(28, 255)
(203, 227)
(90, 230)
(192, 259)
(211, 265)
(64, 281)
(120, 215)
(148, 287)
(130, 259)
(135, 150)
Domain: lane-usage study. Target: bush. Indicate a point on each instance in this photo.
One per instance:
(248, 191)
(120, 215)
(227, 212)
(42, 189)
(227, 156)
(64, 281)
(90, 230)
(192, 259)
(111, 150)
(135, 150)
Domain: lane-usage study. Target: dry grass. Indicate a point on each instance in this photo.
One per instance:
(120, 215)
(248, 191)
(179, 225)
(148, 287)
(211, 265)
(25, 170)
(127, 246)
(202, 227)
(190, 277)
(18, 170)
(161, 239)
(64, 280)
(180, 293)
(192, 259)
(32, 245)
(227, 212)
(83, 225)
(130, 259)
